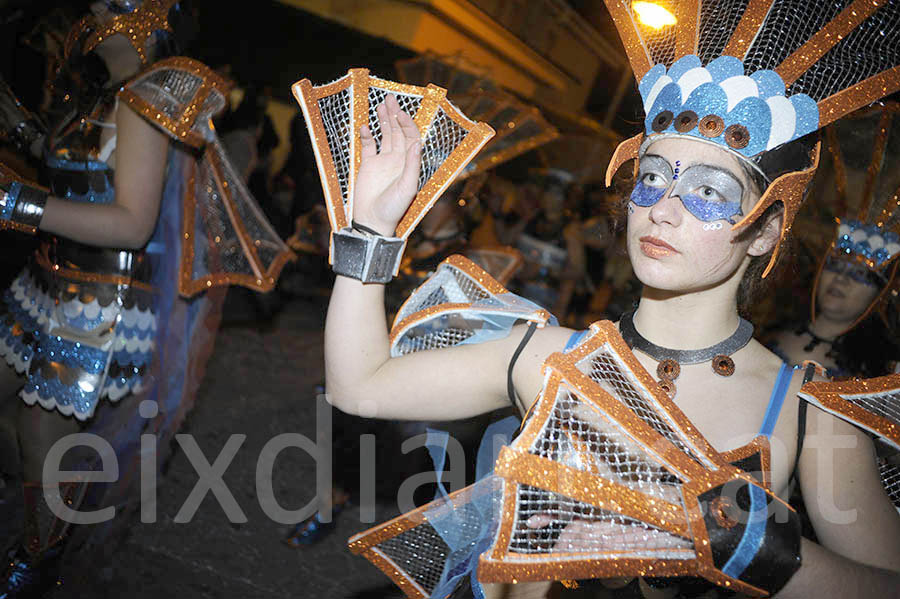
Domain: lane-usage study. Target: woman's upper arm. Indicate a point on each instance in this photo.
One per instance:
(141, 153)
(848, 507)
(456, 382)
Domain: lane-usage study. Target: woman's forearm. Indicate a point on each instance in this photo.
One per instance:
(104, 225)
(356, 340)
(825, 574)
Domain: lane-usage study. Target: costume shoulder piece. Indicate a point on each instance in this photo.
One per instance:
(459, 303)
(871, 404)
(179, 95)
(226, 239)
(608, 478)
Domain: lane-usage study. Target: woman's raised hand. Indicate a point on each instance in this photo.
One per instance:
(388, 179)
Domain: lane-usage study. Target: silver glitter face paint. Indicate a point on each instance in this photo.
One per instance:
(709, 193)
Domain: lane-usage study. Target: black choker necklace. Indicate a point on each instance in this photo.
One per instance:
(814, 339)
(670, 360)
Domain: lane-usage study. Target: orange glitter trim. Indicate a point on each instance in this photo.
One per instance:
(535, 471)
(747, 28)
(637, 52)
(625, 151)
(307, 96)
(44, 261)
(788, 189)
(182, 128)
(687, 32)
(136, 27)
(864, 92)
(825, 39)
(831, 397)
(759, 444)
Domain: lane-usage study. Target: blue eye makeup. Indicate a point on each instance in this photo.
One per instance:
(707, 192)
(856, 272)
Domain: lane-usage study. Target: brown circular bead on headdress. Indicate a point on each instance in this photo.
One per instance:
(668, 370)
(720, 508)
(686, 121)
(712, 125)
(723, 365)
(662, 120)
(737, 136)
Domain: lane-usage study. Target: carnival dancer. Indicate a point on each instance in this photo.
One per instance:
(851, 326)
(732, 103)
(139, 212)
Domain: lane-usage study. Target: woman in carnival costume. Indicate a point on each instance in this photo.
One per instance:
(851, 327)
(139, 211)
(733, 94)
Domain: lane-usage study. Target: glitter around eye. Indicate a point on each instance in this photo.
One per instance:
(646, 196)
(709, 211)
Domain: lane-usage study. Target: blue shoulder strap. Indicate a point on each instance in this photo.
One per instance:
(776, 400)
(575, 339)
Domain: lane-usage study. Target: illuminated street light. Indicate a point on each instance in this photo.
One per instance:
(653, 15)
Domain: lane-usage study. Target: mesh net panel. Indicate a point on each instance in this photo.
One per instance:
(886, 405)
(659, 42)
(600, 533)
(212, 105)
(579, 436)
(408, 104)
(607, 370)
(718, 20)
(443, 137)
(213, 229)
(788, 26)
(335, 111)
(168, 90)
(422, 338)
(871, 48)
(449, 284)
(420, 553)
(888, 183)
(264, 239)
(890, 478)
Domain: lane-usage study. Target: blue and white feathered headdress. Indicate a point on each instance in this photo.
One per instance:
(750, 76)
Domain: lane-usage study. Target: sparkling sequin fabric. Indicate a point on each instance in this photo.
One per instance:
(84, 290)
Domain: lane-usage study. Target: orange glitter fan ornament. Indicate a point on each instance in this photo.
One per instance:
(226, 238)
(336, 111)
(519, 127)
(871, 404)
(610, 479)
(607, 479)
(459, 303)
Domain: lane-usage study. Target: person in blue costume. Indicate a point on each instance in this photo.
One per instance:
(715, 190)
(102, 316)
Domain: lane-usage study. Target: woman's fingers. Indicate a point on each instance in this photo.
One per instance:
(386, 121)
(367, 141)
(409, 128)
(409, 179)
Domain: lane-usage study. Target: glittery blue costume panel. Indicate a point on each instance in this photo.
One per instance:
(62, 373)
